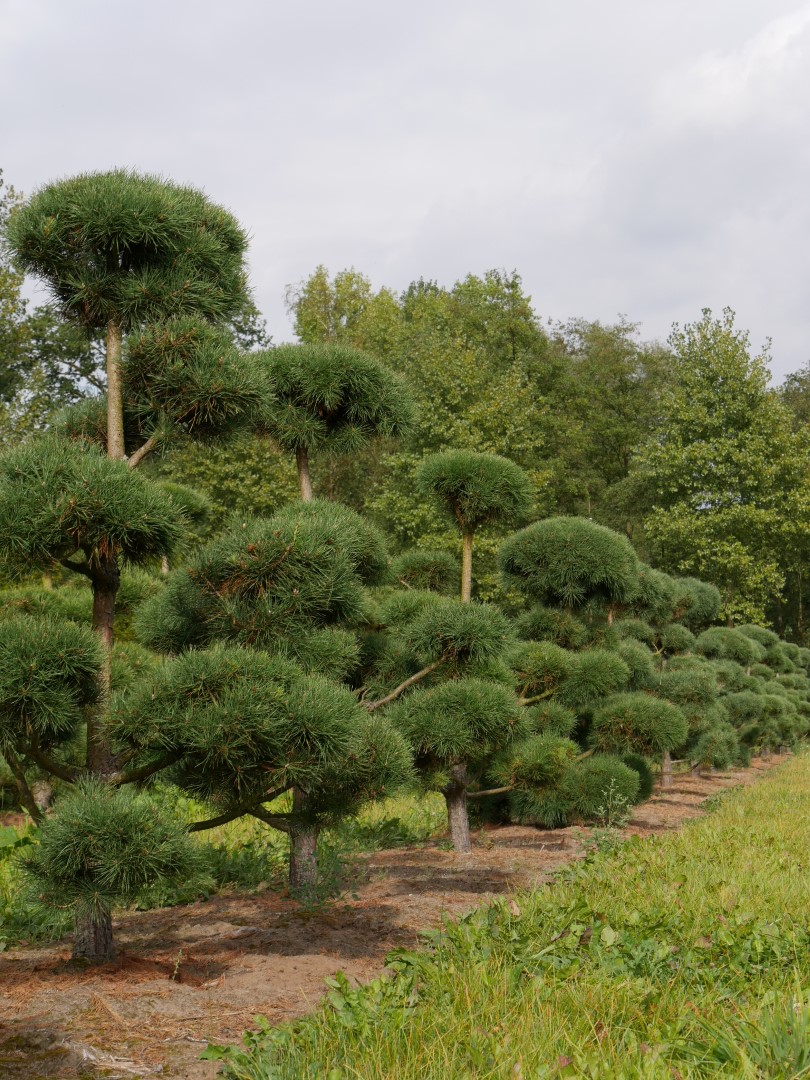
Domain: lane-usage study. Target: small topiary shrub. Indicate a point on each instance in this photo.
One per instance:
(588, 784)
(646, 779)
(718, 747)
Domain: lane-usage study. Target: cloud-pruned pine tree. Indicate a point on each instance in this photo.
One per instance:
(330, 399)
(238, 728)
(475, 489)
(68, 505)
(119, 250)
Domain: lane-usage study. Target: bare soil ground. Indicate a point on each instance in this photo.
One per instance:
(191, 975)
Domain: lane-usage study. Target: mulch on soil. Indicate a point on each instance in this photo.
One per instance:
(187, 976)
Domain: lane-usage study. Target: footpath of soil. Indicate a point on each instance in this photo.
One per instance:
(191, 975)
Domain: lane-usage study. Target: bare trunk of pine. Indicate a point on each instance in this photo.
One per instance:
(115, 393)
(666, 770)
(106, 580)
(94, 939)
(466, 566)
(455, 795)
(303, 849)
(304, 481)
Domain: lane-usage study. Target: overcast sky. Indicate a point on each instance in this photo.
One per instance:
(644, 157)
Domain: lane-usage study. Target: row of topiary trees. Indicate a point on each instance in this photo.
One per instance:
(289, 670)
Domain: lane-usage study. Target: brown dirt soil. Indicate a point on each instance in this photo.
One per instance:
(191, 975)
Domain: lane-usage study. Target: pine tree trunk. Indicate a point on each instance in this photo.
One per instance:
(455, 795)
(466, 566)
(115, 393)
(304, 481)
(106, 581)
(303, 849)
(94, 939)
(666, 770)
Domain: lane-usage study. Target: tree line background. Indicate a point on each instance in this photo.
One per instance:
(683, 446)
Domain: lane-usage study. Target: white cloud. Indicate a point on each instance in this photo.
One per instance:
(648, 158)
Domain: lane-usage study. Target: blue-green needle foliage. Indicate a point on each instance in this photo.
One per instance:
(676, 638)
(130, 249)
(242, 726)
(438, 571)
(59, 499)
(363, 544)
(578, 792)
(103, 846)
(594, 674)
(536, 764)
(476, 489)
(179, 376)
(723, 643)
(639, 723)
(639, 660)
(190, 372)
(461, 720)
(759, 633)
(331, 398)
(634, 630)
(543, 623)
(692, 686)
(457, 633)
(289, 584)
(49, 674)
(697, 603)
(655, 598)
(539, 667)
(550, 718)
(570, 561)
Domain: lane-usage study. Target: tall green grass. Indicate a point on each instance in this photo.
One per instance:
(684, 955)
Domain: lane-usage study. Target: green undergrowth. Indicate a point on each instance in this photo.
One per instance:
(686, 955)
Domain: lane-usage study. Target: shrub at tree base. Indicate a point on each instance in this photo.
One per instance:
(581, 794)
(101, 849)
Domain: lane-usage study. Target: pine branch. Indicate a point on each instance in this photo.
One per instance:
(537, 697)
(70, 773)
(490, 791)
(134, 460)
(277, 821)
(145, 771)
(254, 809)
(214, 822)
(78, 568)
(26, 795)
(423, 674)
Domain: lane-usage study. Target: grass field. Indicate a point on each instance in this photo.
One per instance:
(686, 955)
